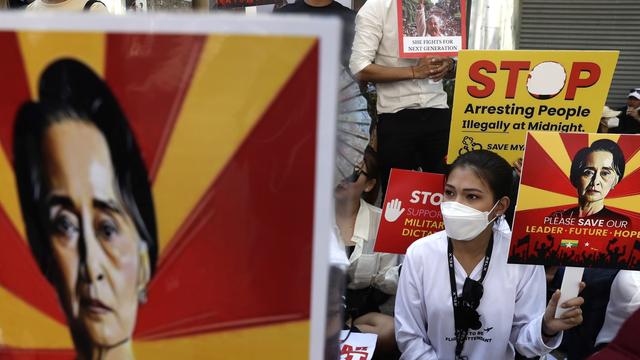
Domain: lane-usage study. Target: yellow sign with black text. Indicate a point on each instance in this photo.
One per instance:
(500, 95)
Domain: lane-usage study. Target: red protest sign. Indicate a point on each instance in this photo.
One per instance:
(578, 201)
(411, 210)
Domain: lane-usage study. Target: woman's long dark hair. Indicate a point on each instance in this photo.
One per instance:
(71, 91)
(373, 170)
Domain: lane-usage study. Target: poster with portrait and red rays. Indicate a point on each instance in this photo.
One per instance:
(232, 117)
(578, 202)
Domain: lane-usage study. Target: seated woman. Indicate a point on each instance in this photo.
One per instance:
(457, 296)
(372, 277)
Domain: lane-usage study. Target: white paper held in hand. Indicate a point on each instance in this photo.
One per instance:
(570, 287)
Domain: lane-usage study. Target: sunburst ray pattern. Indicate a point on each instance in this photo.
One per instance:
(551, 227)
(225, 124)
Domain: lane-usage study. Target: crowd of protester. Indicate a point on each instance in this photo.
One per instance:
(455, 295)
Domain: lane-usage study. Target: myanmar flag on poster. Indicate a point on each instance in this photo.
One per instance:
(578, 202)
(225, 126)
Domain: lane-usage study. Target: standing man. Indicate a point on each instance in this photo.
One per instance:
(327, 8)
(629, 117)
(413, 116)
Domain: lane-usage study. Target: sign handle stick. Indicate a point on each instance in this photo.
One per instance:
(570, 287)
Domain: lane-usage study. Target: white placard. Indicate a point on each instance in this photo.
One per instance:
(357, 346)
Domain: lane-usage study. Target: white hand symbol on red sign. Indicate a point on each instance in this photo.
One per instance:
(393, 211)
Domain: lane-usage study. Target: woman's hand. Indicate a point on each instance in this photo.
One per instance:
(573, 317)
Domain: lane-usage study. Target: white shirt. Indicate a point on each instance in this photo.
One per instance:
(369, 268)
(337, 255)
(376, 41)
(623, 302)
(511, 308)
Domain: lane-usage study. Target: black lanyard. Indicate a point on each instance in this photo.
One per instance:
(461, 334)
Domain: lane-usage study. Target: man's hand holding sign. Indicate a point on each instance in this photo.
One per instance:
(434, 68)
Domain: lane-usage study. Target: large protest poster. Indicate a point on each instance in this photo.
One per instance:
(149, 191)
(410, 211)
(431, 27)
(578, 201)
(500, 95)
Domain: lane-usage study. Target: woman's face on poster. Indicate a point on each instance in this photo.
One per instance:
(597, 176)
(94, 241)
(433, 26)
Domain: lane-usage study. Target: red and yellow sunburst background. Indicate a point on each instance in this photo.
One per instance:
(227, 128)
(545, 189)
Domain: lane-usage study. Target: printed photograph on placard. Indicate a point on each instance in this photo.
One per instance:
(135, 221)
(431, 27)
(578, 203)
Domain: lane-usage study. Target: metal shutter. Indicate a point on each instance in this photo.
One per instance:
(587, 25)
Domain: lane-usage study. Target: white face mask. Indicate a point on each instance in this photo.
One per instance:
(462, 222)
(613, 122)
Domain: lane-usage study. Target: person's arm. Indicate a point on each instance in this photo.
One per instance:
(633, 113)
(410, 319)
(526, 331)
(369, 28)
(388, 274)
(434, 68)
(552, 326)
(421, 20)
(624, 300)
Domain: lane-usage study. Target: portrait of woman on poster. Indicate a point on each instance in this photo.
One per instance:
(431, 25)
(595, 171)
(87, 206)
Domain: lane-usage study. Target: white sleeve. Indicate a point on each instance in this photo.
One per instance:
(526, 331)
(410, 319)
(387, 277)
(624, 300)
(368, 35)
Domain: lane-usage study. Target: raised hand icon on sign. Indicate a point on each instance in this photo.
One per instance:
(393, 211)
